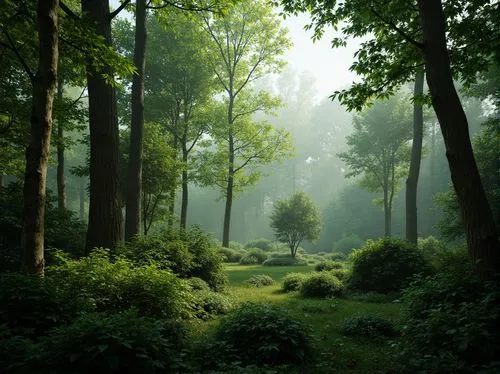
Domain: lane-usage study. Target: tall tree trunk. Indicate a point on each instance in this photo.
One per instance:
(44, 83)
(61, 185)
(185, 192)
(105, 216)
(82, 200)
(134, 181)
(482, 237)
(416, 156)
(171, 210)
(387, 215)
(230, 176)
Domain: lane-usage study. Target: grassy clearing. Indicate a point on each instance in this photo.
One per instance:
(325, 318)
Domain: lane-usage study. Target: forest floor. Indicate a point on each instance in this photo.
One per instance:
(324, 318)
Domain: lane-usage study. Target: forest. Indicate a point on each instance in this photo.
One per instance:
(197, 186)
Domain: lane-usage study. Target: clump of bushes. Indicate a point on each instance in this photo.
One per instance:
(117, 343)
(385, 265)
(321, 285)
(328, 265)
(286, 260)
(347, 244)
(336, 256)
(236, 245)
(451, 321)
(368, 326)
(257, 334)
(293, 281)
(433, 250)
(231, 255)
(198, 284)
(116, 286)
(188, 253)
(254, 257)
(31, 306)
(260, 280)
(208, 304)
(263, 244)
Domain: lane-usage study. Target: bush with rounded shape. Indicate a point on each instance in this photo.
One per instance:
(336, 256)
(321, 285)
(451, 321)
(328, 265)
(263, 335)
(260, 280)
(236, 245)
(254, 256)
(231, 255)
(209, 304)
(347, 244)
(30, 305)
(263, 244)
(432, 249)
(198, 284)
(385, 265)
(368, 326)
(117, 343)
(285, 261)
(342, 274)
(293, 281)
(116, 286)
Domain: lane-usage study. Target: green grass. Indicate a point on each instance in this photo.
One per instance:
(325, 318)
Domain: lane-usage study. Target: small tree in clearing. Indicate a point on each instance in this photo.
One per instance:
(294, 220)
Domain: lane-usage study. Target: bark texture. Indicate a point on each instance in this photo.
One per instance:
(184, 181)
(105, 217)
(44, 83)
(61, 183)
(230, 175)
(134, 180)
(482, 237)
(416, 156)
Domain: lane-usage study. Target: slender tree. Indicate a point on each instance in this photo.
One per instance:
(44, 83)
(416, 156)
(249, 41)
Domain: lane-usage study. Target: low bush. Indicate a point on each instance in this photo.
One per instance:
(117, 343)
(198, 284)
(209, 304)
(336, 256)
(30, 305)
(321, 285)
(342, 274)
(328, 265)
(347, 244)
(432, 249)
(368, 326)
(451, 321)
(231, 255)
(188, 253)
(116, 286)
(236, 245)
(253, 257)
(285, 261)
(293, 281)
(385, 265)
(262, 335)
(260, 280)
(263, 244)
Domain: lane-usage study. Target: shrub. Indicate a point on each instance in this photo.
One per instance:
(321, 285)
(117, 343)
(451, 321)
(342, 274)
(285, 261)
(235, 245)
(262, 334)
(368, 326)
(328, 265)
(347, 244)
(208, 304)
(263, 244)
(30, 305)
(231, 255)
(116, 286)
(385, 265)
(260, 280)
(254, 256)
(188, 253)
(374, 297)
(198, 284)
(293, 282)
(336, 256)
(432, 249)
